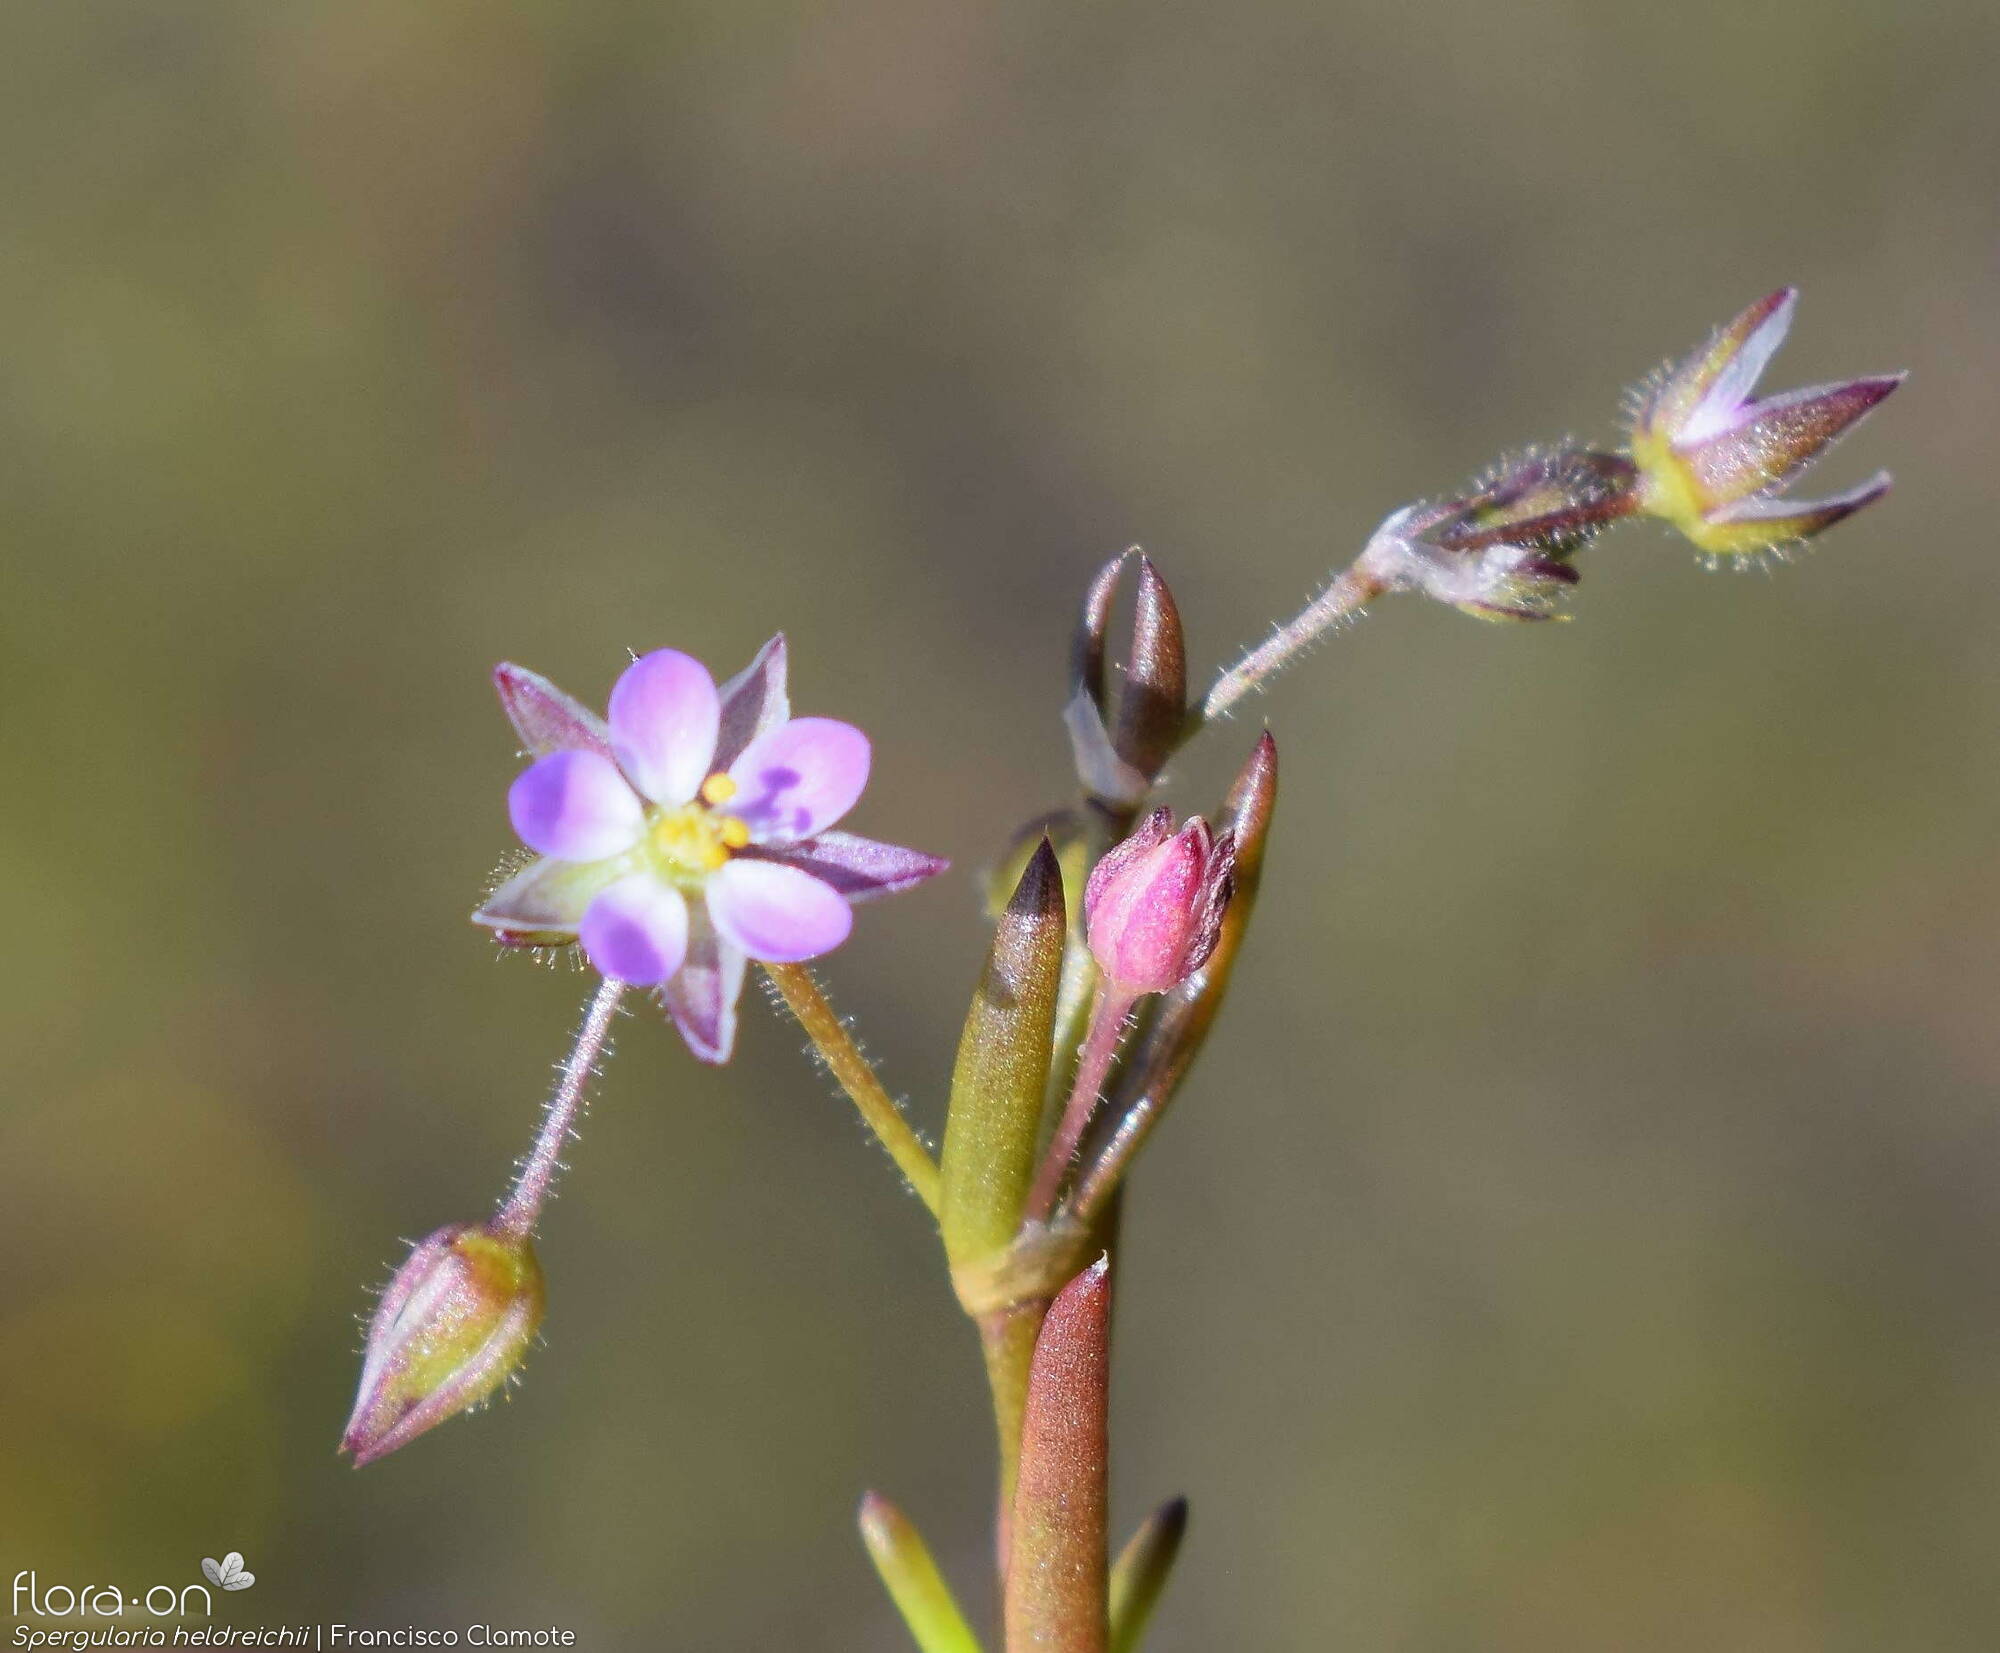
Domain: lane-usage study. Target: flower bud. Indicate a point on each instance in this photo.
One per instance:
(1120, 748)
(450, 1329)
(1713, 459)
(1153, 907)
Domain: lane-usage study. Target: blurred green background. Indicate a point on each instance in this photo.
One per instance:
(1582, 1234)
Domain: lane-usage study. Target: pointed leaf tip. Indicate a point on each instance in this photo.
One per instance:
(915, 1585)
(993, 1122)
(1141, 1573)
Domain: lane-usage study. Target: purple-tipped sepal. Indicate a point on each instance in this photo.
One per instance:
(1713, 458)
(546, 719)
(452, 1326)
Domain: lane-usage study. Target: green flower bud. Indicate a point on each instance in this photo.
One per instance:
(451, 1328)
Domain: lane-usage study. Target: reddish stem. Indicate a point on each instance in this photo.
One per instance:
(523, 1206)
(1093, 1063)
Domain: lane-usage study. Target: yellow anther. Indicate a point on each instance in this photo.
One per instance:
(691, 841)
(717, 789)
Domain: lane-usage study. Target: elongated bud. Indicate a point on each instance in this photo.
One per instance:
(1712, 457)
(913, 1580)
(1056, 1585)
(1122, 741)
(1140, 1573)
(452, 1326)
(1153, 907)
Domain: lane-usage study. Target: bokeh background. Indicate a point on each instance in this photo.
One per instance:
(1584, 1231)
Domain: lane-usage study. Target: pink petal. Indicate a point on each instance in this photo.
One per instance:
(637, 930)
(754, 701)
(701, 997)
(1152, 832)
(775, 912)
(546, 719)
(664, 717)
(799, 778)
(575, 806)
(1737, 358)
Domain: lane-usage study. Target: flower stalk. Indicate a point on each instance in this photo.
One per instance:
(1110, 1010)
(1344, 600)
(521, 1210)
(857, 1077)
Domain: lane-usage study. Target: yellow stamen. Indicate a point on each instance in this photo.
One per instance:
(717, 789)
(735, 833)
(689, 841)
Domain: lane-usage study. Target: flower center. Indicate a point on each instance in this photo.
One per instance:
(689, 843)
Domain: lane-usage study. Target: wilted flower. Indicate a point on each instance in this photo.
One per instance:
(451, 1328)
(687, 832)
(1502, 552)
(1713, 461)
(1154, 903)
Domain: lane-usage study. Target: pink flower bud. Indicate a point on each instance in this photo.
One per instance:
(1154, 904)
(451, 1328)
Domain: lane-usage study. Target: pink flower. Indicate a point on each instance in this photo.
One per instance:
(1153, 907)
(687, 832)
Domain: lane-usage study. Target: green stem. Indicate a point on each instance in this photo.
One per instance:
(1007, 1340)
(857, 1077)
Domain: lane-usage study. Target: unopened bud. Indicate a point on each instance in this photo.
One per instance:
(1122, 742)
(1153, 907)
(450, 1329)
